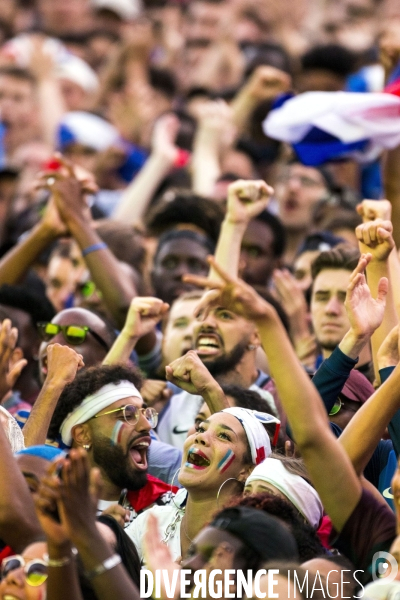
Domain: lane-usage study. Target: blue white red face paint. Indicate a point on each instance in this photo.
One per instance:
(226, 462)
(116, 433)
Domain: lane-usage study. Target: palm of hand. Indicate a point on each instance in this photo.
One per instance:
(364, 312)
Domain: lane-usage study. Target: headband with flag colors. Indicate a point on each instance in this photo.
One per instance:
(91, 405)
(253, 424)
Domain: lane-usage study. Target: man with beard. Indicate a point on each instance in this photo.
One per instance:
(103, 412)
(227, 345)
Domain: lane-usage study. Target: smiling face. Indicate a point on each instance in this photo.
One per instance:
(217, 451)
(14, 585)
(221, 340)
(329, 317)
(118, 448)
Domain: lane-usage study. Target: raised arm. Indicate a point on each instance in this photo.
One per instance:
(104, 267)
(327, 463)
(137, 196)
(246, 200)
(375, 237)
(143, 315)
(190, 374)
(62, 364)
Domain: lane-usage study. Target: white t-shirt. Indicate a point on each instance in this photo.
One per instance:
(168, 517)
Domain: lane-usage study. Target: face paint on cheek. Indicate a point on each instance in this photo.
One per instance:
(116, 433)
(226, 462)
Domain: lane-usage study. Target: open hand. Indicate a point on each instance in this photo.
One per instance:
(9, 370)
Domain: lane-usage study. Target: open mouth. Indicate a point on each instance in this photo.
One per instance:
(138, 453)
(207, 344)
(196, 459)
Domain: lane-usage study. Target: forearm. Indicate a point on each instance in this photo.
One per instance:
(242, 106)
(205, 164)
(227, 253)
(106, 271)
(114, 583)
(121, 349)
(139, 193)
(19, 526)
(215, 398)
(375, 271)
(392, 189)
(366, 428)
(63, 581)
(333, 373)
(36, 427)
(15, 264)
(52, 108)
(394, 270)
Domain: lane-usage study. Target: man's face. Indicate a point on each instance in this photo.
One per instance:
(92, 350)
(64, 17)
(302, 268)
(178, 334)
(203, 21)
(17, 102)
(221, 339)
(28, 338)
(61, 281)
(298, 191)
(120, 448)
(33, 468)
(177, 258)
(328, 313)
(257, 259)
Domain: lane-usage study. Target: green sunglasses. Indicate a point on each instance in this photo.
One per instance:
(73, 334)
(336, 407)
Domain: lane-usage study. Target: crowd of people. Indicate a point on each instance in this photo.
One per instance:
(199, 317)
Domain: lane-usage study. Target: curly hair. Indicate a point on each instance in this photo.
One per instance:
(308, 543)
(87, 382)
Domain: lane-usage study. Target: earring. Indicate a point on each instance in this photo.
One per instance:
(86, 446)
(222, 485)
(172, 493)
(252, 347)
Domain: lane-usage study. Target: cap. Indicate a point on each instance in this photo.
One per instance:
(84, 128)
(78, 71)
(258, 530)
(125, 9)
(357, 387)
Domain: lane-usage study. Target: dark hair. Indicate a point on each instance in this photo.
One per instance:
(342, 219)
(17, 73)
(308, 542)
(124, 242)
(125, 548)
(183, 206)
(266, 53)
(342, 256)
(329, 57)
(278, 230)
(87, 382)
(38, 307)
(163, 81)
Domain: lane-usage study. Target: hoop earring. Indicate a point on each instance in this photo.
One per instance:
(172, 493)
(222, 485)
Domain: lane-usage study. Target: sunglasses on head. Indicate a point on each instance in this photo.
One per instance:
(73, 334)
(131, 414)
(36, 571)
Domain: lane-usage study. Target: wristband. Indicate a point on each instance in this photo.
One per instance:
(60, 562)
(94, 248)
(106, 565)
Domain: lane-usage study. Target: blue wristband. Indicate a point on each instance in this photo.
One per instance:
(93, 248)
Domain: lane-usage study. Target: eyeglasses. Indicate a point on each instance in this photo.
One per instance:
(87, 289)
(131, 414)
(73, 334)
(337, 407)
(35, 570)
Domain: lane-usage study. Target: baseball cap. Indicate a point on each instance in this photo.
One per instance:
(357, 387)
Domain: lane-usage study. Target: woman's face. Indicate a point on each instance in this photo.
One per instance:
(214, 453)
(258, 486)
(14, 585)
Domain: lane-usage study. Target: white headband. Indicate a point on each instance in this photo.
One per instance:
(93, 404)
(257, 436)
(295, 488)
